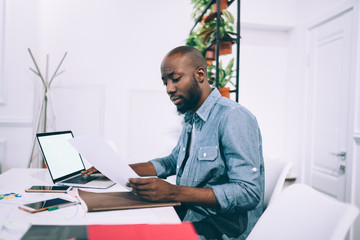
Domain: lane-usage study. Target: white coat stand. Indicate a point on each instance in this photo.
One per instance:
(41, 124)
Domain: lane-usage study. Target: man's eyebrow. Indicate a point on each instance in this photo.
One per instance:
(167, 75)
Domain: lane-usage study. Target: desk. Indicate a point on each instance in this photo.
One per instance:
(14, 222)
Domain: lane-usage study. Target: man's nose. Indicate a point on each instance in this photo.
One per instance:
(170, 87)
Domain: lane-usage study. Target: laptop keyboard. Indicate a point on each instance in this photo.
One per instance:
(81, 179)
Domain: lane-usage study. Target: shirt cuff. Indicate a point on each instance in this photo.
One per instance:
(159, 168)
(223, 199)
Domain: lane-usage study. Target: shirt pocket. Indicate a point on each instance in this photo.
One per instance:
(207, 165)
(208, 153)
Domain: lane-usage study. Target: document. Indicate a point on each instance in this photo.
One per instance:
(100, 154)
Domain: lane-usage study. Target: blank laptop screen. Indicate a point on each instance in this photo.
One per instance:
(61, 158)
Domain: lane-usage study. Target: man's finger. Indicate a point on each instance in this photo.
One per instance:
(89, 171)
(143, 193)
(92, 171)
(140, 180)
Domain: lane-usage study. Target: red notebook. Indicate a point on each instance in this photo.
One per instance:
(183, 231)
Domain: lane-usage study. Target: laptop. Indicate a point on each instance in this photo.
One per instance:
(65, 163)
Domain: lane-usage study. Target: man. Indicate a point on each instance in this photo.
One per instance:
(217, 161)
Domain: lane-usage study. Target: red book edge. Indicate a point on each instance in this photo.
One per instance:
(180, 231)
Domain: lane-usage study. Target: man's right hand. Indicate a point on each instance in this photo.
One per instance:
(90, 171)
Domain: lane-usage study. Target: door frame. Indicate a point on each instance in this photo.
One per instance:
(355, 195)
(306, 163)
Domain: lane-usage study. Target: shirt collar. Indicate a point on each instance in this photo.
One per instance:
(204, 110)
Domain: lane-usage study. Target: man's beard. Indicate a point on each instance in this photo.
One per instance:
(193, 98)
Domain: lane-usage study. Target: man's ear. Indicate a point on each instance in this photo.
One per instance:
(200, 74)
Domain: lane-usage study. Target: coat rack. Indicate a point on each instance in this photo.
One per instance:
(41, 124)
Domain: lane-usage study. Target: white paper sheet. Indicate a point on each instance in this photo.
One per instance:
(100, 154)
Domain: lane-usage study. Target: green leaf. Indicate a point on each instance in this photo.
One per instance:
(221, 78)
(229, 67)
(229, 17)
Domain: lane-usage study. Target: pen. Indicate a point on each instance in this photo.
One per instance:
(61, 206)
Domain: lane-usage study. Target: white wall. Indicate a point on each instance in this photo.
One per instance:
(118, 46)
(263, 91)
(114, 49)
(20, 30)
(267, 28)
(275, 14)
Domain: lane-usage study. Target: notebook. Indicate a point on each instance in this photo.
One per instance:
(106, 201)
(65, 163)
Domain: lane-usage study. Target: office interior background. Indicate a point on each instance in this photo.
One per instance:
(299, 75)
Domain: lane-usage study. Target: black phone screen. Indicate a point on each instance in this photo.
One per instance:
(47, 203)
(53, 188)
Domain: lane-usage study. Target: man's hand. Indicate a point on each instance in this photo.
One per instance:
(156, 189)
(153, 189)
(90, 171)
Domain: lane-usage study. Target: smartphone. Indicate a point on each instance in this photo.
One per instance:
(45, 205)
(53, 189)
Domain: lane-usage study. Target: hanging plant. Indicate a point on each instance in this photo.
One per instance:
(226, 30)
(204, 39)
(198, 8)
(225, 74)
(196, 41)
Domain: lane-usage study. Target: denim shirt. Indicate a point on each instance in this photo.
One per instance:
(226, 156)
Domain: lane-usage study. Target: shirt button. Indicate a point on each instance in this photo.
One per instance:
(254, 169)
(177, 166)
(183, 149)
(204, 155)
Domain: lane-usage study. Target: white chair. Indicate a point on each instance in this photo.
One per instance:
(301, 212)
(275, 174)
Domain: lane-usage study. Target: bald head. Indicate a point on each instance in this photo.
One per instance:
(196, 58)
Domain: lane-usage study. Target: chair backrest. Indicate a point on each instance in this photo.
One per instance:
(275, 174)
(301, 212)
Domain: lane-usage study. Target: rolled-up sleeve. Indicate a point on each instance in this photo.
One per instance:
(242, 148)
(166, 166)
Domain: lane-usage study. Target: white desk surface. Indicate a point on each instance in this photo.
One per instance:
(14, 222)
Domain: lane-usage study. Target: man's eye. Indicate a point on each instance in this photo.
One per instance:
(176, 79)
(165, 83)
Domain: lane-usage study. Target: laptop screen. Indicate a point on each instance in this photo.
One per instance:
(61, 158)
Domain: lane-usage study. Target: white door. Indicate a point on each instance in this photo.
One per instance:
(328, 90)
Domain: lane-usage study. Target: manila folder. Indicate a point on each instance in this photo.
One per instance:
(106, 201)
